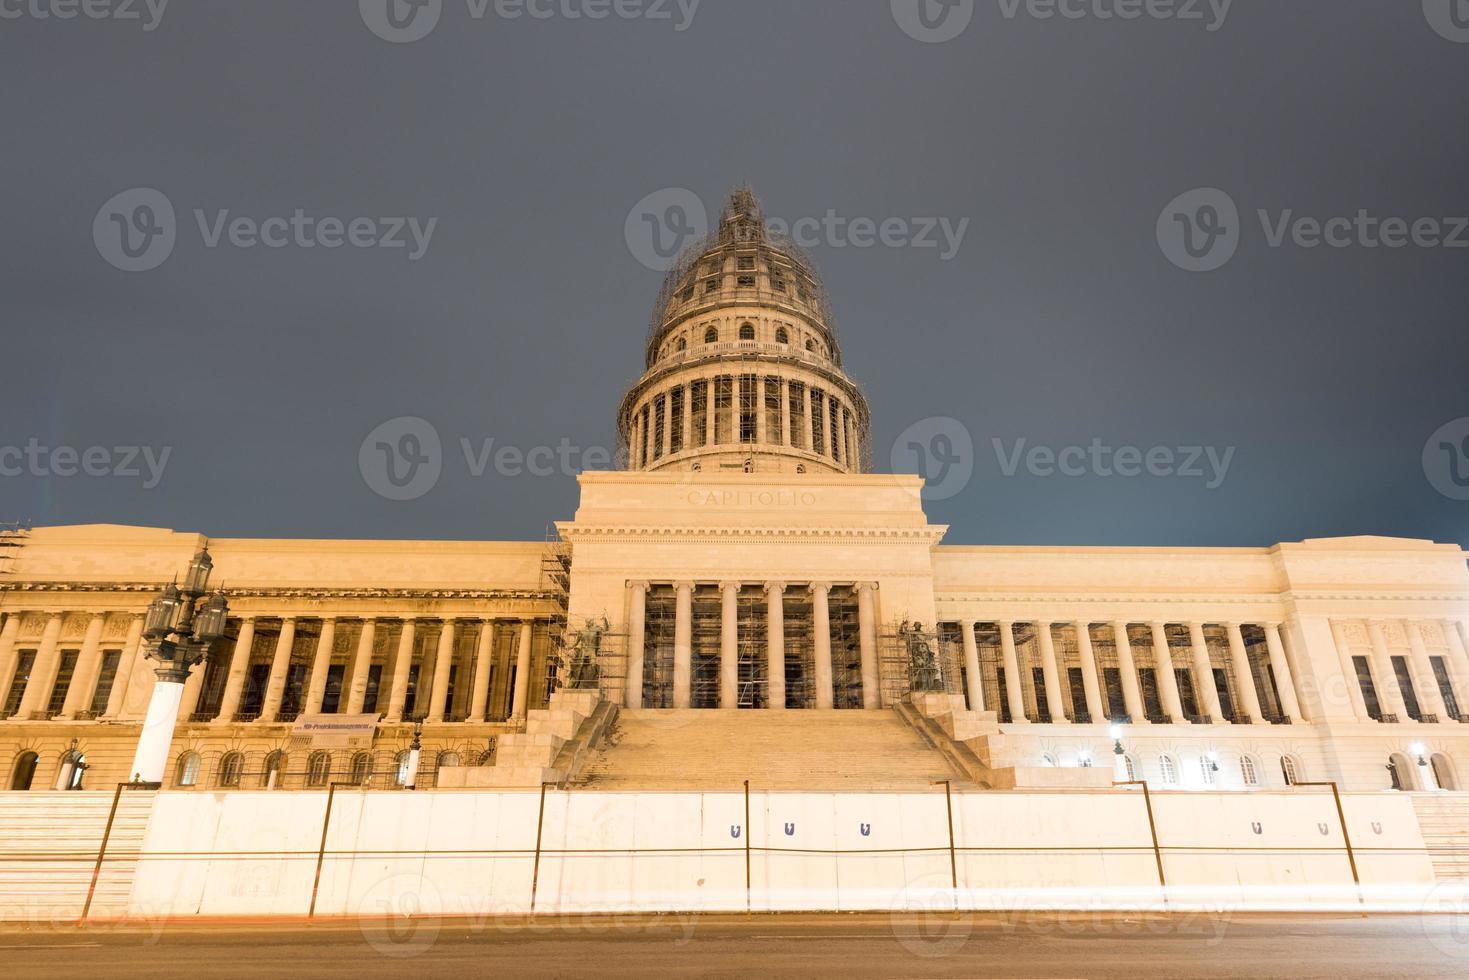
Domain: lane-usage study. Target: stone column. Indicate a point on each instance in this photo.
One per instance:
(279, 664)
(667, 441)
(1355, 697)
(867, 638)
(838, 450)
(1389, 695)
(1454, 631)
(810, 422)
(520, 706)
(234, 683)
(43, 670)
(636, 637)
(483, 663)
(125, 665)
(8, 655)
(688, 417)
(821, 630)
(973, 679)
(1167, 679)
(1244, 677)
(1430, 698)
(709, 419)
(321, 665)
(1207, 690)
(729, 644)
(762, 433)
(1095, 706)
(1014, 692)
(775, 680)
(84, 676)
(1132, 694)
(1290, 705)
(361, 664)
(1051, 671)
(785, 411)
(443, 660)
(683, 644)
(398, 693)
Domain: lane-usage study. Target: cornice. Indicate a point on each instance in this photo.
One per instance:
(288, 592)
(644, 532)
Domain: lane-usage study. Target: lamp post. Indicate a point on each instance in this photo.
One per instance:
(1119, 756)
(179, 631)
(415, 752)
(1425, 771)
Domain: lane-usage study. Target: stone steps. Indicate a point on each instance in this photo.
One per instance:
(1444, 821)
(48, 850)
(671, 749)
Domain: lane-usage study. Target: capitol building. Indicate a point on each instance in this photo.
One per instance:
(742, 598)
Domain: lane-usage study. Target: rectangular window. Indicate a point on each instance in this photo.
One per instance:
(374, 683)
(65, 670)
(1445, 687)
(1042, 706)
(1369, 689)
(746, 263)
(23, 665)
(723, 403)
(1116, 702)
(331, 696)
(711, 286)
(818, 429)
(748, 407)
(253, 700)
(798, 417)
(1405, 686)
(1077, 683)
(745, 282)
(410, 700)
(106, 677)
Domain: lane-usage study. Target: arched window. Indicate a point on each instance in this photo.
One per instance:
(1248, 771)
(1169, 769)
(1130, 766)
(275, 765)
(1206, 769)
(782, 336)
(448, 759)
(1048, 760)
(1443, 771)
(811, 346)
(24, 771)
(400, 768)
(231, 767)
(361, 768)
(682, 344)
(318, 769)
(747, 331)
(1290, 770)
(711, 335)
(486, 758)
(1399, 772)
(78, 764)
(186, 772)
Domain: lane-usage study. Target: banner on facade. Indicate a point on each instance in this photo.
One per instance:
(335, 731)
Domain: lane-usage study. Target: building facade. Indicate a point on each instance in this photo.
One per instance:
(745, 557)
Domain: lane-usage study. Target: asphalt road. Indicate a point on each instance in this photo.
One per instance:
(850, 946)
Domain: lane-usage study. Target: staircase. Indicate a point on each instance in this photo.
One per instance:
(1444, 820)
(48, 850)
(671, 749)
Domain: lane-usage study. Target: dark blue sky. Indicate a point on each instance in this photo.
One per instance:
(1059, 320)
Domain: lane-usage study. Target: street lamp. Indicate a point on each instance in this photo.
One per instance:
(415, 753)
(1425, 771)
(1119, 756)
(179, 630)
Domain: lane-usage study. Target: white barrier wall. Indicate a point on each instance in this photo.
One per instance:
(473, 853)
